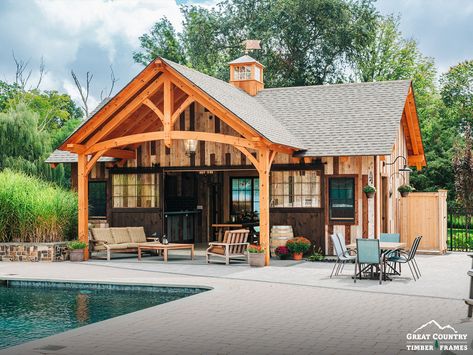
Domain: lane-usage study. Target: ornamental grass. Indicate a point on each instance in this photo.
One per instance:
(32, 210)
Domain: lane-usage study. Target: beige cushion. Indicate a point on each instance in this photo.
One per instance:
(117, 246)
(132, 245)
(217, 249)
(103, 234)
(120, 235)
(137, 234)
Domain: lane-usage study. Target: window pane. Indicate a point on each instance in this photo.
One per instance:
(342, 198)
(135, 190)
(296, 189)
(97, 199)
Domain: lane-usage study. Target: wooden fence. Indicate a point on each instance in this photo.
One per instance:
(425, 214)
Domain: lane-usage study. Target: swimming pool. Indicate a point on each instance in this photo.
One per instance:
(36, 309)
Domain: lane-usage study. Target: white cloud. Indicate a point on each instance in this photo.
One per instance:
(106, 22)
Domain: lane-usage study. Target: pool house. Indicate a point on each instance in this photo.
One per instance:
(177, 151)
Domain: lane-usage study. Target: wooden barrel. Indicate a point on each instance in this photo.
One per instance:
(279, 237)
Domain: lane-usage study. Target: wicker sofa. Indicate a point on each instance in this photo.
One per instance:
(118, 239)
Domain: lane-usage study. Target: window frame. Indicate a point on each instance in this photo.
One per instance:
(252, 178)
(299, 169)
(346, 221)
(157, 190)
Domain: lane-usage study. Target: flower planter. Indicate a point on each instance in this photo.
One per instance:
(404, 194)
(297, 256)
(76, 255)
(256, 259)
(369, 194)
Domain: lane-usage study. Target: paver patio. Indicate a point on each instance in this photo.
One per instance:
(277, 310)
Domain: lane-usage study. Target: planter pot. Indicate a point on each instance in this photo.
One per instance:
(404, 194)
(256, 259)
(369, 194)
(297, 256)
(76, 255)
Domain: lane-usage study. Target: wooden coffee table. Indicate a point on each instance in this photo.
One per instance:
(165, 248)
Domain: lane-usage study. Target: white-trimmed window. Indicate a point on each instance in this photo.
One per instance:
(242, 73)
(296, 189)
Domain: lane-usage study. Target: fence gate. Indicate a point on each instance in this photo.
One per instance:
(460, 229)
(425, 214)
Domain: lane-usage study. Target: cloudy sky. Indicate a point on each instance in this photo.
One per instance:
(91, 35)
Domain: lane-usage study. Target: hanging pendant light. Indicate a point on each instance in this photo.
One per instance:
(190, 146)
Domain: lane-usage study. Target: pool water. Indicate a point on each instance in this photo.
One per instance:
(31, 310)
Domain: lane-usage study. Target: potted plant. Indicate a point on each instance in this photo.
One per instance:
(282, 252)
(369, 190)
(256, 255)
(405, 190)
(76, 250)
(298, 246)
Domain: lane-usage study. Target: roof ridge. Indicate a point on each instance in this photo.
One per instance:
(363, 83)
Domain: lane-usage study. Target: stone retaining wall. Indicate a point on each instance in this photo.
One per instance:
(34, 251)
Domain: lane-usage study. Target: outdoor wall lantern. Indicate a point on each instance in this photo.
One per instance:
(191, 147)
(404, 169)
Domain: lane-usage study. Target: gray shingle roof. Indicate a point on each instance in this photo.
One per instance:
(63, 156)
(341, 119)
(246, 107)
(244, 59)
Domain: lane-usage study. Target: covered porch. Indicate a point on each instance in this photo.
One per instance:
(174, 148)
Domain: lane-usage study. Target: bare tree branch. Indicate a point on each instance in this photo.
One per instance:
(83, 92)
(22, 74)
(42, 72)
(113, 81)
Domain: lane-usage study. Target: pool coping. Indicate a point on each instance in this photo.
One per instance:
(100, 282)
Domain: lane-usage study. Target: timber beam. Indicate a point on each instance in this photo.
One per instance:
(110, 108)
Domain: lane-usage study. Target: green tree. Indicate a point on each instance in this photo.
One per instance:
(457, 92)
(303, 42)
(161, 41)
(463, 168)
(23, 147)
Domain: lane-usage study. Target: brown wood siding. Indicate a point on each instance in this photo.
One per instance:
(364, 180)
(305, 222)
(149, 218)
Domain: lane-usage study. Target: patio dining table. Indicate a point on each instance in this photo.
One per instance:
(383, 246)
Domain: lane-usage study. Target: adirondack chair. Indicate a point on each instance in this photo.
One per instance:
(233, 246)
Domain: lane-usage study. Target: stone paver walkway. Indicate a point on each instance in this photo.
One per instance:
(275, 310)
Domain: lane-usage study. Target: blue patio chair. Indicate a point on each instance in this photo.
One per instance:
(390, 237)
(407, 258)
(368, 255)
(343, 255)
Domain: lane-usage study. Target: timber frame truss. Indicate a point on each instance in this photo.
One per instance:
(147, 110)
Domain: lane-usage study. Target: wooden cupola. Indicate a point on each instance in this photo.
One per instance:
(246, 73)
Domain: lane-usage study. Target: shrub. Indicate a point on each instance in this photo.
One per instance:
(255, 249)
(298, 245)
(76, 244)
(317, 254)
(32, 210)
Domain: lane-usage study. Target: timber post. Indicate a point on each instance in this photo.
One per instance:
(264, 169)
(83, 207)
